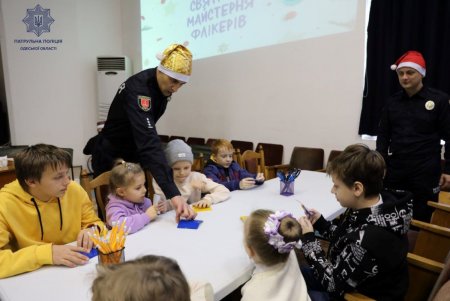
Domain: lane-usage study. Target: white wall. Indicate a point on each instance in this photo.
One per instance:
(51, 95)
(304, 93)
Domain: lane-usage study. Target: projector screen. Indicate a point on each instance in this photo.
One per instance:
(216, 27)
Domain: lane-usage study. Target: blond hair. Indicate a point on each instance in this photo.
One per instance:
(151, 277)
(122, 174)
(258, 240)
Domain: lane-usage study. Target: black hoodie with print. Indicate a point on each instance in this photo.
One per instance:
(368, 249)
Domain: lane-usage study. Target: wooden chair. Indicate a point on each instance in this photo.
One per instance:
(195, 141)
(177, 137)
(441, 214)
(253, 161)
(210, 141)
(432, 241)
(149, 180)
(242, 145)
(443, 280)
(164, 138)
(423, 273)
(444, 197)
(273, 153)
(201, 156)
(199, 163)
(306, 158)
(97, 189)
(333, 154)
(70, 151)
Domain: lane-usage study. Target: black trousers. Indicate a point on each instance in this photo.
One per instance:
(420, 176)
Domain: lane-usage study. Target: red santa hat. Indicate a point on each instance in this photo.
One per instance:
(412, 59)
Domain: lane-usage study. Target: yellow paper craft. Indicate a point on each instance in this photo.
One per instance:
(243, 218)
(198, 209)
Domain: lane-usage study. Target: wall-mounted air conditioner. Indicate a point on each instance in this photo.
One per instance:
(112, 71)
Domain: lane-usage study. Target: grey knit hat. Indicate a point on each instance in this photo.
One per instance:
(178, 150)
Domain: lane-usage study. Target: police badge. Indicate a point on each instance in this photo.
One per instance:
(145, 103)
(429, 105)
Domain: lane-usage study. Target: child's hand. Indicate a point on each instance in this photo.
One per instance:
(315, 215)
(305, 224)
(260, 177)
(152, 212)
(247, 183)
(162, 206)
(202, 204)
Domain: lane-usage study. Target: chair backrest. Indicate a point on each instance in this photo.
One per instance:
(164, 138)
(242, 145)
(253, 161)
(70, 151)
(333, 154)
(201, 156)
(441, 214)
(210, 141)
(444, 197)
(423, 273)
(307, 158)
(273, 153)
(98, 190)
(432, 241)
(195, 141)
(443, 280)
(150, 188)
(237, 156)
(177, 137)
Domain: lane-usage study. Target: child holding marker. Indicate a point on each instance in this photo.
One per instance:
(195, 187)
(368, 244)
(127, 198)
(269, 239)
(222, 169)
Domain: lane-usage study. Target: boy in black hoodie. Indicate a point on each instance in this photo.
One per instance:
(368, 244)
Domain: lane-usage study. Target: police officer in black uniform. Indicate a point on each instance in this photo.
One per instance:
(412, 125)
(129, 131)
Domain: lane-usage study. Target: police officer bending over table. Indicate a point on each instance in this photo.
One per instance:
(413, 122)
(130, 133)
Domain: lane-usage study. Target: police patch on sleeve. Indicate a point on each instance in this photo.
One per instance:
(144, 102)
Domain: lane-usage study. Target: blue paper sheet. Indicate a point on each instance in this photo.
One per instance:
(189, 224)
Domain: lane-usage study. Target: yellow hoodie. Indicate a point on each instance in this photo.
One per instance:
(25, 239)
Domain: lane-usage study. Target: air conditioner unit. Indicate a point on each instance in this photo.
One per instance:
(111, 73)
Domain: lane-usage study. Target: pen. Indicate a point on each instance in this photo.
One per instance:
(307, 212)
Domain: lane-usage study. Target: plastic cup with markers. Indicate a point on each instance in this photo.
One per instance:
(287, 181)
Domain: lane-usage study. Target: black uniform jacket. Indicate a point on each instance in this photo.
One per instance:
(130, 133)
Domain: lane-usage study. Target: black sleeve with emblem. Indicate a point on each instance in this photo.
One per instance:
(147, 142)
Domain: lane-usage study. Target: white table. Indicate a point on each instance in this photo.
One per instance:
(213, 253)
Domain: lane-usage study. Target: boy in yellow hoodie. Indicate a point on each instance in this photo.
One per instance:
(41, 212)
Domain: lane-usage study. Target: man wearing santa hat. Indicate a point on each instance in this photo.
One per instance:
(413, 122)
(130, 132)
